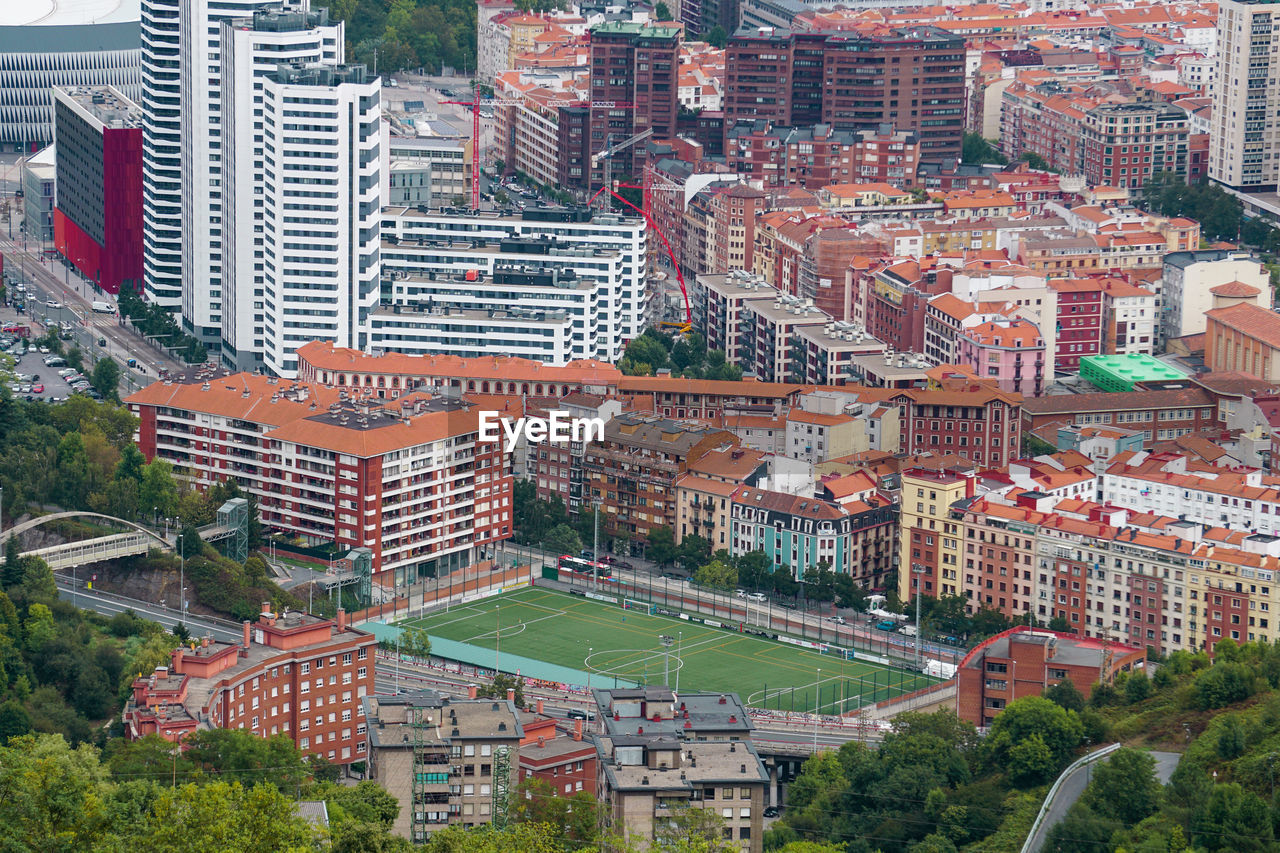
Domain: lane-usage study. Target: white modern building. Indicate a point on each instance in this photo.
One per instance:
(1190, 279)
(586, 264)
(63, 43)
(1244, 145)
(251, 50)
(322, 209)
(541, 335)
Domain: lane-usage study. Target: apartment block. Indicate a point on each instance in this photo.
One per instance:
(1024, 661)
(633, 471)
(447, 761)
(411, 481)
(97, 220)
(851, 82)
(1191, 281)
(580, 272)
(1242, 141)
(293, 674)
(930, 534)
(1149, 412)
(972, 419)
(636, 64)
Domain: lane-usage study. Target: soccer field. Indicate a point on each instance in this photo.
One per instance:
(608, 641)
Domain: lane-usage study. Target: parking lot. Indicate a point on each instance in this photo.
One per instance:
(32, 364)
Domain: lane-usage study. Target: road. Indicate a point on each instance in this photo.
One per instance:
(76, 296)
(1073, 786)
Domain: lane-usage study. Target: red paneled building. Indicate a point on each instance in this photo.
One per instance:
(97, 221)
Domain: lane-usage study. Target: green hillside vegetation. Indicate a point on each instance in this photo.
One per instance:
(935, 786)
(409, 34)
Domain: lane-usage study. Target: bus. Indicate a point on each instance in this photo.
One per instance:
(579, 566)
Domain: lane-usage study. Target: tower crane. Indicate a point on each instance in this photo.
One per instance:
(477, 102)
(606, 153)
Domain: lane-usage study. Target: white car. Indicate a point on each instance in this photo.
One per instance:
(741, 593)
(44, 350)
(757, 596)
(53, 303)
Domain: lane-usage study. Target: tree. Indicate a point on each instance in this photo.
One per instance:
(661, 546)
(662, 11)
(576, 818)
(1066, 695)
(1137, 687)
(1035, 161)
(717, 38)
(105, 378)
(1082, 831)
(978, 151)
(1124, 787)
(694, 551)
(498, 688)
(717, 575)
(1233, 820)
(563, 539)
(754, 570)
(158, 491)
(75, 358)
(222, 816)
(416, 642)
(1058, 729)
(687, 827)
(49, 794)
(189, 542)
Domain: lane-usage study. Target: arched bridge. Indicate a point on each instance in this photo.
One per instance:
(137, 540)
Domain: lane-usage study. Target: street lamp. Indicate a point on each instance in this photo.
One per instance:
(679, 658)
(918, 570)
(497, 639)
(73, 585)
(817, 690)
(182, 577)
(587, 664)
(667, 641)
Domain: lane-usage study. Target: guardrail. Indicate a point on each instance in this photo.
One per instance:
(1027, 846)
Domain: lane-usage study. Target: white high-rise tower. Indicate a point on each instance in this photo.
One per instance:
(1244, 139)
(253, 49)
(322, 202)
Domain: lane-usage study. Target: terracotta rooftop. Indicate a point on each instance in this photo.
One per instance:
(1250, 320)
(1235, 290)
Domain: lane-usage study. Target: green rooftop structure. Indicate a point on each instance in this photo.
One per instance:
(1122, 372)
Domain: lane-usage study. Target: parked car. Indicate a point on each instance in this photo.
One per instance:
(887, 625)
(37, 388)
(53, 303)
(772, 811)
(578, 714)
(757, 596)
(44, 350)
(102, 342)
(839, 620)
(741, 593)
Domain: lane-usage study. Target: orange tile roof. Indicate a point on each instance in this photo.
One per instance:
(326, 356)
(1251, 320)
(1235, 289)
(247, 396)
(805, 417)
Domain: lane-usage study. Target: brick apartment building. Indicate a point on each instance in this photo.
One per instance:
(633, 471)
(851, 81)
(292, 674)
(1080, 321)
(818, 156)
(1023, 662)
(1154, 413)
(636, 64)
(566, 762)
(448, 761)
(973, 420)
(411, 481)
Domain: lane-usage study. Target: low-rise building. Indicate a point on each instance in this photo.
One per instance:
(293, 674)
(447, 761)
(1243, 338)
(1023, 662)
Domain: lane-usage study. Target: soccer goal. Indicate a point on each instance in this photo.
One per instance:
(632, 604)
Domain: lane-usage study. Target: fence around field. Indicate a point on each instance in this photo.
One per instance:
(472, 583)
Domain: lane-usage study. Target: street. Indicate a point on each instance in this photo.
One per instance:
(75, 297)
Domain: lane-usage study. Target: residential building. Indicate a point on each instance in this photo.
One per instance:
(930, 535)
(97, 220)
(330, 469)
(767, 334)
(715, 402)
(566, 763)
(1080, 321)
(718, 302)
(1244, 338)
(1242, 144)
(1024, 661)
(430, 170)
(1123, 145)
(391, 375)
(1131, 318)
(556, 468)
(1010, 352)
(587, 265)
(634, 64)
(205, 138)
(632, 472)
(643, 778)
(1191, 280)
(293, 674)
(447, 761)
(971, 419)
(1156, 414)
(849, 81)
(38, 179)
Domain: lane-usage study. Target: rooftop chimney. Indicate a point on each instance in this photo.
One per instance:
(247, 628)
(511, 694)
(577, 729)
(342, 619)
(538, 707)
(175, 658)
(472, 691)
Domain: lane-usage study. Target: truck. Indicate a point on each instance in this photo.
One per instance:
(18, 329)
(103, 307)
(909, 630)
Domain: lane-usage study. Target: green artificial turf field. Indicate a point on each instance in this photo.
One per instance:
(608, 640)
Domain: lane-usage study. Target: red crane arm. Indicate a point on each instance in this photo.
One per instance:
(688, 312)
